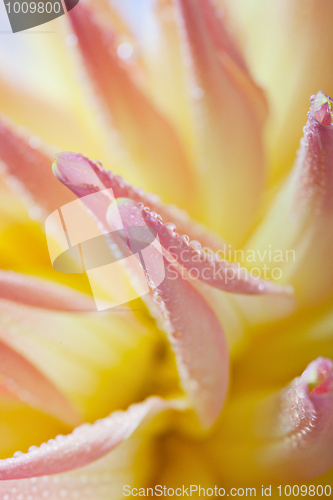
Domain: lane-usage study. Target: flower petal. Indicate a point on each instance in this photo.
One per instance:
(102, 479)
(193, 329)
(39, 293)
(86, 444)
(209, 268)
(83, 177)
(287, 435)
(28, 384)
(287, 38)
(270, 359)
(32, 168)
(90, 348)
(299, 224)
(230, 110)
(151, 140)
(207, 387)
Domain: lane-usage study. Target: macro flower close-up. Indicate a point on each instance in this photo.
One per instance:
(166, 262)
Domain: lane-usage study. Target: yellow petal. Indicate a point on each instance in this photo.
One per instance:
(295, 239)
(288, 44)
(86, 356)
(282, 437)
(228, 111)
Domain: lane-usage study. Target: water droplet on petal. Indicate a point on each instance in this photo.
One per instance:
(125, 50)
(171, 226)
(71, 40)
(35, 213)
(197, 93)
(35, 142)
(98, 163)
(195, 244)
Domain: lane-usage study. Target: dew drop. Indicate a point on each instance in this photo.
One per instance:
(71, 40)
(125, 50)
(35, 213)
(35, 142)
(195, 244)
(197, 93)
(171, 226)
(98, 163)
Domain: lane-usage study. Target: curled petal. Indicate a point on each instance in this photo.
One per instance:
(194, 332)
(287, 435)
(28, 384)
(103, 479)
(209, 268)
(299, 227)
(86, 444)
(229, 111)
(150, 138)
(39, 293)
(83, 177)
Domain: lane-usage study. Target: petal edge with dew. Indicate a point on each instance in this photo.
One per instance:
(287, 434)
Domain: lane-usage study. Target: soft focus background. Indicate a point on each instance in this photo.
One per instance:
(288, 46)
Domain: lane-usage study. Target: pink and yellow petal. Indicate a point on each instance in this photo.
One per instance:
(229, 110)
(287, 44)
(296, 235)
(85, 356)
(286, 434)
(150, 139)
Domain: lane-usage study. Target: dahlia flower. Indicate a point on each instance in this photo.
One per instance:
(217, 377)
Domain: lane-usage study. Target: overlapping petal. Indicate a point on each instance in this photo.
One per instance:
(287, 44)
(193, 329)
(86, 444)
(90, 350)
(105, 477)
(148, 136)
(40, 293)
(84, 177)
(298, 226)
(28, 384)
(230, 111)
(176, 297)
(285, 435)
